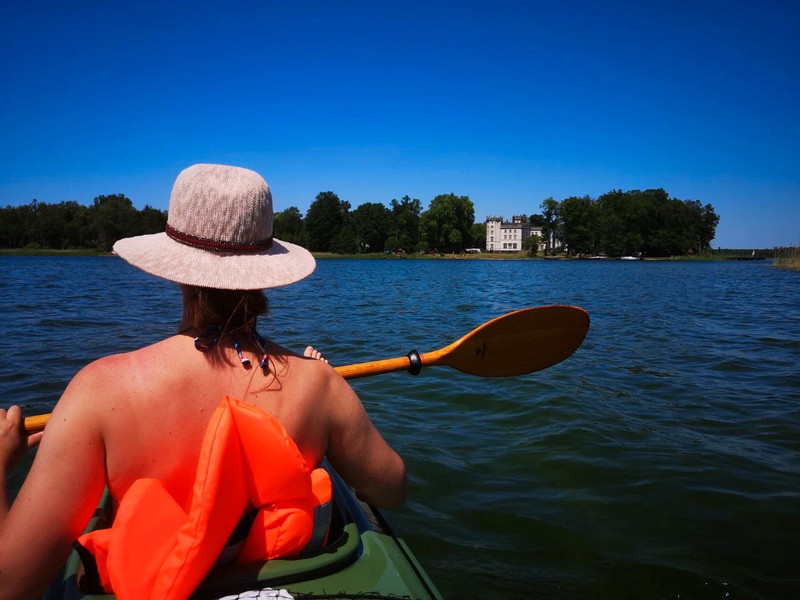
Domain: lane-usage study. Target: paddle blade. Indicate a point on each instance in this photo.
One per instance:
(517, 343)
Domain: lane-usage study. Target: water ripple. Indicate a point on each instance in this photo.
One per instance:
(661, 460)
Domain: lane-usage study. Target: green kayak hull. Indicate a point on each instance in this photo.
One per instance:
(364, 558)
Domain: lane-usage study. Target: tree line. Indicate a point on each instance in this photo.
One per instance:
(328, 226)
(331, 226)
(69, 225)
(621, 223)
(617, 223)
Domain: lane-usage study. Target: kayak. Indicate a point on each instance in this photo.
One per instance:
(364, 558)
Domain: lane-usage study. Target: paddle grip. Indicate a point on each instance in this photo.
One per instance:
(415, 361)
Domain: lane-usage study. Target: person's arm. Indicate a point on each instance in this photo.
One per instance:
(58, 496)
(359, 453)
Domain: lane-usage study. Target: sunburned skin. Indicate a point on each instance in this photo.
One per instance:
(144, 414)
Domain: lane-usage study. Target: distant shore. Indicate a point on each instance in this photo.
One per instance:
(52, 252)
(525, 256)
(715, 255)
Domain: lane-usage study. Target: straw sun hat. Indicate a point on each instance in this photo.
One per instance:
(219, 235)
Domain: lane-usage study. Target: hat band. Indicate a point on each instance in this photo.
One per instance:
(214, 245)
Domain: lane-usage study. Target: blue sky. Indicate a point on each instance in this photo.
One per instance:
(505, 102)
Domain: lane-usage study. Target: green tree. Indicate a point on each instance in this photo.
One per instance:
(391, 244)
(63, 225)
(346, 241)
(372, 223)
(708, 227)
(617, 234)
(150, 220)
(537, 220)
(422, 247)
(644, 219)
(77, 219)
(405, 222)
(532, 244)
(288, 225)
(44, 231)
(16, 225)
(113, 218)
(447, 224)
(578, 222)
(72, 225)
(549, 229)
(479, 235)
(41, 225)
(325, 219)
(652, 223)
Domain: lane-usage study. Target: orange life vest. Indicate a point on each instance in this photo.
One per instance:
(155, 549)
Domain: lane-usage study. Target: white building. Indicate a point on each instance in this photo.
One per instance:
(502, 236)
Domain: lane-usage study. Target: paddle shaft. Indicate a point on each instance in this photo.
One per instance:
(378, 367)
(517, 343)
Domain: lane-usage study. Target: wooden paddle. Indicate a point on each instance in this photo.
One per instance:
(520, 342)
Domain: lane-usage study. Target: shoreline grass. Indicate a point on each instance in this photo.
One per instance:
(787, 258)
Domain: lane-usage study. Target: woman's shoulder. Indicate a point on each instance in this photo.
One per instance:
(306, 376)
(124, 369)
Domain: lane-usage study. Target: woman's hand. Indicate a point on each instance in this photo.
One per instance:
(13, 441)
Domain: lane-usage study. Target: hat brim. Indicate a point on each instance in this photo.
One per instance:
(160, 255)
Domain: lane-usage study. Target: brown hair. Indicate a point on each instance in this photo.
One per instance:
(231, 310)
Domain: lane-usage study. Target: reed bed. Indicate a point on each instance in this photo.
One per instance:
(787, 258)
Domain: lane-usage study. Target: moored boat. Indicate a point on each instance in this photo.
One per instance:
(364, 558)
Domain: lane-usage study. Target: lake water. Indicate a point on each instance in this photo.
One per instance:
(662, 460)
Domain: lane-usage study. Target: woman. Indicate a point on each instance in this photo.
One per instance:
(143, 415)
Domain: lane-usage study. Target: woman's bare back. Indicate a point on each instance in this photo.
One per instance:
(155, 415)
